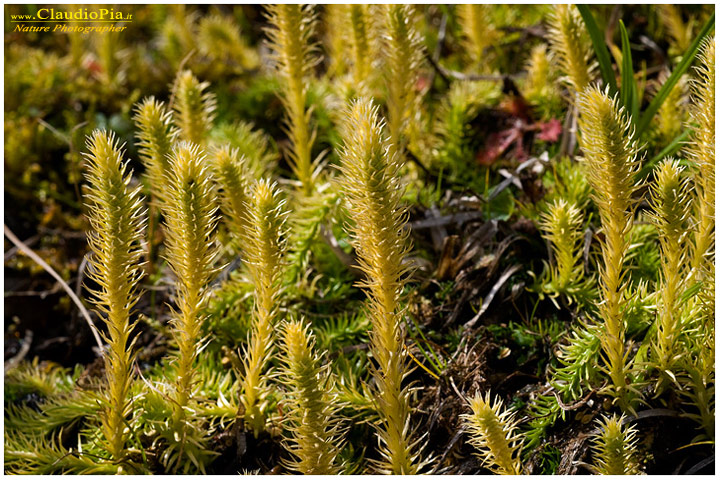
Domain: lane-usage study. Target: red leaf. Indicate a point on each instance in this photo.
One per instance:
(550, 131)
(422, 83)
(497, 143)
(92, 66)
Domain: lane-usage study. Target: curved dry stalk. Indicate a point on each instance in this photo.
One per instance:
(36, 258)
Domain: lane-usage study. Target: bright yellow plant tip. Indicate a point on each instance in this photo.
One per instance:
(571, 45)
(492, 431)
(314, 440)
(194, 108)
(614, 447)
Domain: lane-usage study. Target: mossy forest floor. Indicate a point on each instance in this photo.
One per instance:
(506, 347)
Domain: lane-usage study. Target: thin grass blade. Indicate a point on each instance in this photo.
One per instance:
(628, 89)
(669, 150)
(601, 50)
(681, 68)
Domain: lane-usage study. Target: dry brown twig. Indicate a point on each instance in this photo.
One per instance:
(36, 258)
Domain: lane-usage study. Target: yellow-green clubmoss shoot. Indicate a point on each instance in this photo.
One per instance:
(294, 52)
(614, 447)
(671, 212)
(571, 46)
(701, 151)
(264, 248)
(562, 227)
(611, 160)
(191, 250)
(492, 430)
(403, 56)
(194, 107)
(370, 180)
(314, 431)
(479, 34)
(156, 136)
(231, 173)
(117, 219)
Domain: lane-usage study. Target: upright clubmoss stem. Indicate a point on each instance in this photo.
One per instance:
(492, 431)
(403, 50)
(336, 42)
(702, 151)
(671, 211)
(562, 226)
(264, 247)
(611, 158)
(294, 51)
(156, 135)
(371, 182)
(478, 32)
(232, 175)
(571, 45)
(190, 218)
(194, 108)
(360, 44)
(614, 447)
(314, 442)
(117, 219)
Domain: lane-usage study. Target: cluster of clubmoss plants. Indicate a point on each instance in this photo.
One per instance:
(610, 137)
(257, 344)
